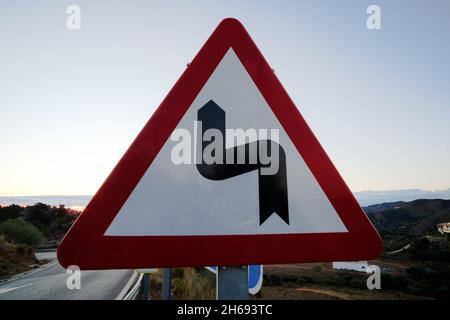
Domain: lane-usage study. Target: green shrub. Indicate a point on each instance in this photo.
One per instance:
(271, 280)
(21, 232)
(178, 273)
(357, 283)
(390, 282)
(289, 278)
(336, 281)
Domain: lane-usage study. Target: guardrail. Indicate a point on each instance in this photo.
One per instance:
(139, 284)
(133, 292)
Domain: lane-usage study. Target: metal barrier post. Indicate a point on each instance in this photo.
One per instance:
(146, 287)
(167, 284)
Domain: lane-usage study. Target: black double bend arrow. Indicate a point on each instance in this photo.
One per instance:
(273, 193)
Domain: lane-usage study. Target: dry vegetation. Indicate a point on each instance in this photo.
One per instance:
(15, 259)
(187, 284)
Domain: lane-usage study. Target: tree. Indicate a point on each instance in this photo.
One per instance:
(21, 232)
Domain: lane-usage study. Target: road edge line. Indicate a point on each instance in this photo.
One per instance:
(29, 272)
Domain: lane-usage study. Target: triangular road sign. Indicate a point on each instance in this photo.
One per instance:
(154, 211)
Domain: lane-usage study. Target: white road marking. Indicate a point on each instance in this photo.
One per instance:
(14, 288)
(46, 266)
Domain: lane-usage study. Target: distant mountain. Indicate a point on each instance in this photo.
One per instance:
(367, 198)
(76, 202)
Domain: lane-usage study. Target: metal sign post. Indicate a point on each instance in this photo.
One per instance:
(146, 287)
(232, 283)
(167, 284)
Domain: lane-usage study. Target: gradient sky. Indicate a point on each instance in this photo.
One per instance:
(71, 102)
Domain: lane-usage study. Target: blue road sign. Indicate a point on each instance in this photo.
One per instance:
(255, 277)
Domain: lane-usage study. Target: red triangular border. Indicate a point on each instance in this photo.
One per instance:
(86, 246)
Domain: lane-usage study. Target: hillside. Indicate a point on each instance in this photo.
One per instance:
(415, 262)
(418, 217)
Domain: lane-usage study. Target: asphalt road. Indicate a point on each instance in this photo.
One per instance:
(49, 283)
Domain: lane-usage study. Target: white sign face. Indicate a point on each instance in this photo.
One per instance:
(176, 200)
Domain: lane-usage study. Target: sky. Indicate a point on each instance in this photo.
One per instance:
(72, 101)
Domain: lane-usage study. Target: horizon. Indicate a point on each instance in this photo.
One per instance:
(364, 198)
(91, 195)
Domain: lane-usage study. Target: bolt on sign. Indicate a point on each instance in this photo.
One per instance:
(225, 172)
